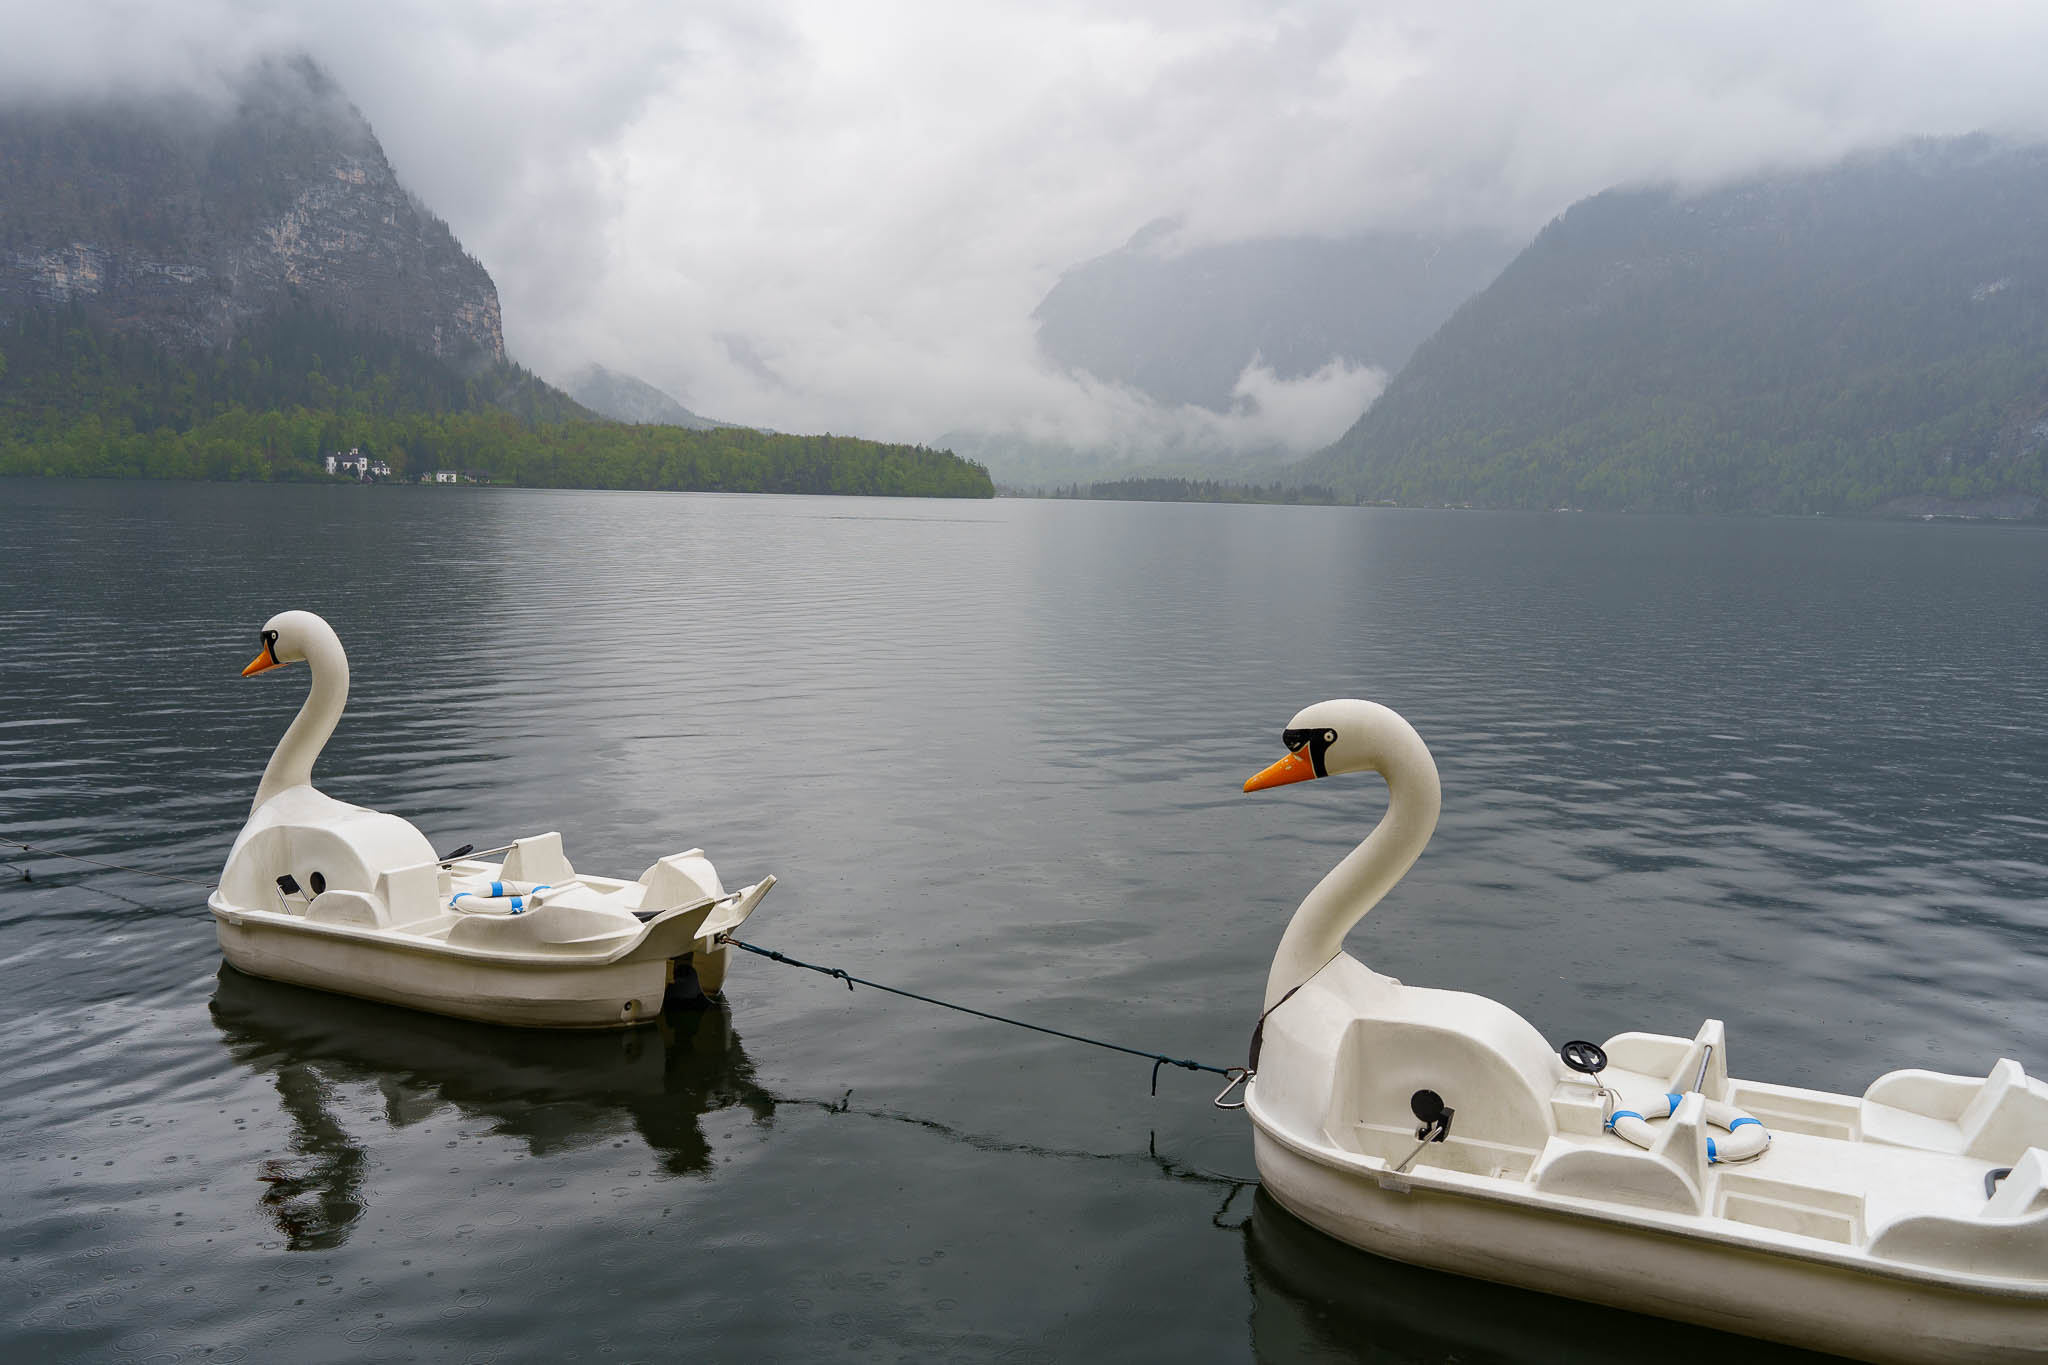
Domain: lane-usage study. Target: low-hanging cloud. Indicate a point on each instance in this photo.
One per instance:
(1304, 414)
(819, 216)
(1068, 425)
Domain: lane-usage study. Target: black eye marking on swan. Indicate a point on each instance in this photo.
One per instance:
(1318, 743)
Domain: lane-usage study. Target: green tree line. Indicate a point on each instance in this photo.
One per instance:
(1199, 490)
(80, 399)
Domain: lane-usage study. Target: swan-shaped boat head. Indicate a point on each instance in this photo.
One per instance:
(1330, 739)
(294, 830)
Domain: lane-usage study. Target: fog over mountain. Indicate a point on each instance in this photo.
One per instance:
(1184, 326)
(623, 398)
(1232, 359)
(1868, 337)
(810, 216)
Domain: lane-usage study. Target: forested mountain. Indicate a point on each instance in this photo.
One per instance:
(197, 290)
(623, 398)
(78, 397)
(1869, 337)
(1181, 326)
(65, 364)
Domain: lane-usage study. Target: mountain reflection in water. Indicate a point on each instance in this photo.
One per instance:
(552, 1091)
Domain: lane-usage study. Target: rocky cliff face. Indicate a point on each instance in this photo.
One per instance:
(185, 219)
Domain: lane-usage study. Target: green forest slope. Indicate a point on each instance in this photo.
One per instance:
(1867, 338)
(82, 399)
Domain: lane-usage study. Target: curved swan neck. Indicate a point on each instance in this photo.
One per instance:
(292, 764)
(1354, 886)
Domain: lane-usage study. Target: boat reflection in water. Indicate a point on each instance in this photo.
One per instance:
(1316, 1299)
(553, 1091)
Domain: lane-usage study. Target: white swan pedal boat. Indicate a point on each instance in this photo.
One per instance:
(1907, 1224)
(321, 893)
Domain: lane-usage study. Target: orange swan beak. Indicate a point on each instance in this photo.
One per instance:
(1296, 767)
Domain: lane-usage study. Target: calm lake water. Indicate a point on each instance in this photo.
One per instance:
(1789, 774)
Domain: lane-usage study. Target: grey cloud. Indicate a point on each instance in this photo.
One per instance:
(877, 196)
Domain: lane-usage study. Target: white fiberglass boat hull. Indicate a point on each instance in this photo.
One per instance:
(492, 991)
(317, 892)
(1439, 1220)
(1438, 1127)
(1864, 1228)
(585, 953)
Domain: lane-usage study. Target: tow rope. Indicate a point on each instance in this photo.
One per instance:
(1158, 1059)
(1234, 1074)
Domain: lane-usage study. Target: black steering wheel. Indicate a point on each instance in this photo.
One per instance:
(1582, 1056)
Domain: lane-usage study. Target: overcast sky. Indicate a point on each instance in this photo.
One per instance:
(839, 215)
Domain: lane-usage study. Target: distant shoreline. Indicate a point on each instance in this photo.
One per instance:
(2039, 518)
(324, 481)
(1020, 495)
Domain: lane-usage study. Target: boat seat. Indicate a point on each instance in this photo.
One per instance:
(536, 858)
(1671, 1175)
(358, 909)
(1996, 1118)
(2024, 1190)
(678, 879)
(1676, 1062)
(2007, 1236)
(557, 927)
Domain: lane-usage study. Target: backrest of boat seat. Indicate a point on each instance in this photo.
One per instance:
(1482, 1059)
(2008, 1236)
(679, 879)
(411, 894)
(1647, 1054)
(1709, 1045)
(537, 858)
(2007, 1116)
(2024, 1190)
(1671, 1175)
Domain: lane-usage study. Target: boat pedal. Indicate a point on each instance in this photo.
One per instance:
(1431, 1112)
(1436, 1116)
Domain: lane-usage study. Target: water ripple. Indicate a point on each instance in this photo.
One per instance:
(1788, 775)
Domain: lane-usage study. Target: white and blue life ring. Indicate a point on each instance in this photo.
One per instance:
(1746, 1141)
(503, 898)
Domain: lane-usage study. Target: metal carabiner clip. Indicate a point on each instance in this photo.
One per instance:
(1238, 1076)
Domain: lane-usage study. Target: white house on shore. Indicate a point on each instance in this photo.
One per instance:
(358, 464)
